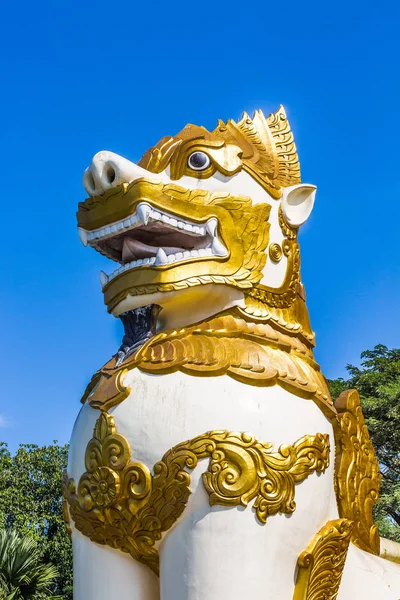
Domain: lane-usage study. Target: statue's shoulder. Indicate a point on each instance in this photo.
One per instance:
(105, 388)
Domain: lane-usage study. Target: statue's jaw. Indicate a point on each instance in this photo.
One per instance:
(152, 237)
(165, 238)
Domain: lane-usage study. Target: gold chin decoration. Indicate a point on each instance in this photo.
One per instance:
(123, 505)
(320, 567)
(357, 472)
(259, 354)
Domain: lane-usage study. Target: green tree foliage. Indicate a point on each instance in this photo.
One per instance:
(378, 382)
(23, 575)
(31, 504)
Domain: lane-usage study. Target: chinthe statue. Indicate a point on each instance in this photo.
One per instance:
(208, 460)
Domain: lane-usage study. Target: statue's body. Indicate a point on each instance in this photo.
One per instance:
(202, 463)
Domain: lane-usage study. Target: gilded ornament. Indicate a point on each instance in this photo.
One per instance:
(254, 353)
(275, 252)
(286, 247)
(262, 146)
(320, 566)
(284, 296)
(358, 475)
(67, 520)
(121, 504)
(289, 232)
(244, 231)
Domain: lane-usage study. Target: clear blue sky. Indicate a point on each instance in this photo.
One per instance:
(80, 77)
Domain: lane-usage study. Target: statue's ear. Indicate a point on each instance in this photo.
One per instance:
(297, 203)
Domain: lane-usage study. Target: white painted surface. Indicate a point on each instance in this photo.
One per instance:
(101, 573)
(368, 577)
(107, 170)
(215, 551)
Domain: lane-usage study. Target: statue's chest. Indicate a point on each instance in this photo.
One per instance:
(161, 411)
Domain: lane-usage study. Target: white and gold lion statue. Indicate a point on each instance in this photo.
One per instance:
(208, 461)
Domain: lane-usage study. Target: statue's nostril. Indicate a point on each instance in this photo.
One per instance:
(109, 173)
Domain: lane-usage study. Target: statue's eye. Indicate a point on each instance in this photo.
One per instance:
(199, 161)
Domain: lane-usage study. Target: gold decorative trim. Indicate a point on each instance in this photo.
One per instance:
(254, 353)
(263, 298)
(289, 232)
(357, 472)
(67, 520)
(262, 146)
(286, 295)
(320, 567)
(121, 504)
(275, 252)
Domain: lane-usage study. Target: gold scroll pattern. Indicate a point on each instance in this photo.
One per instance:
(320, 566)
(251, 352)
(121, 504)
(357, 472)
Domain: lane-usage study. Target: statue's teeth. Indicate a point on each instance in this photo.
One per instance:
(103, 278)
(211, 226)
(218, 248)
(83, 236)
(143, 212)
(161, 258)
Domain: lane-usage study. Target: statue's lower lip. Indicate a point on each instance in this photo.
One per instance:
(151, 237)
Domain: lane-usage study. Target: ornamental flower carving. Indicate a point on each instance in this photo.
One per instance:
(104, 486)
(121, 504)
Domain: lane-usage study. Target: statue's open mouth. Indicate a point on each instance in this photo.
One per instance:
(153, 238)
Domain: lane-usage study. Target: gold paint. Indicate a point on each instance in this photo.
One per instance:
(254, 353)
(67, 520)
(121, 504)
(284, 296)
(357, 472)
(292, 319)
(275, 252)
(243, 228)
(262, 146)
(286, 247)
(289, 232)
(320, 567)
(260, 299)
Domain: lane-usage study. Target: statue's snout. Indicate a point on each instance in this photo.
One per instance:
(108, 170)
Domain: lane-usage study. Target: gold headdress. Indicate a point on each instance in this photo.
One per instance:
(265, 145)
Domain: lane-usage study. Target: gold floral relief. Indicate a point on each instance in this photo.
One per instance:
(123, 505)
(320, 566)
(357, 472)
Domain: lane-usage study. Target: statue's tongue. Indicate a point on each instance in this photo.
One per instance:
(133, 249)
